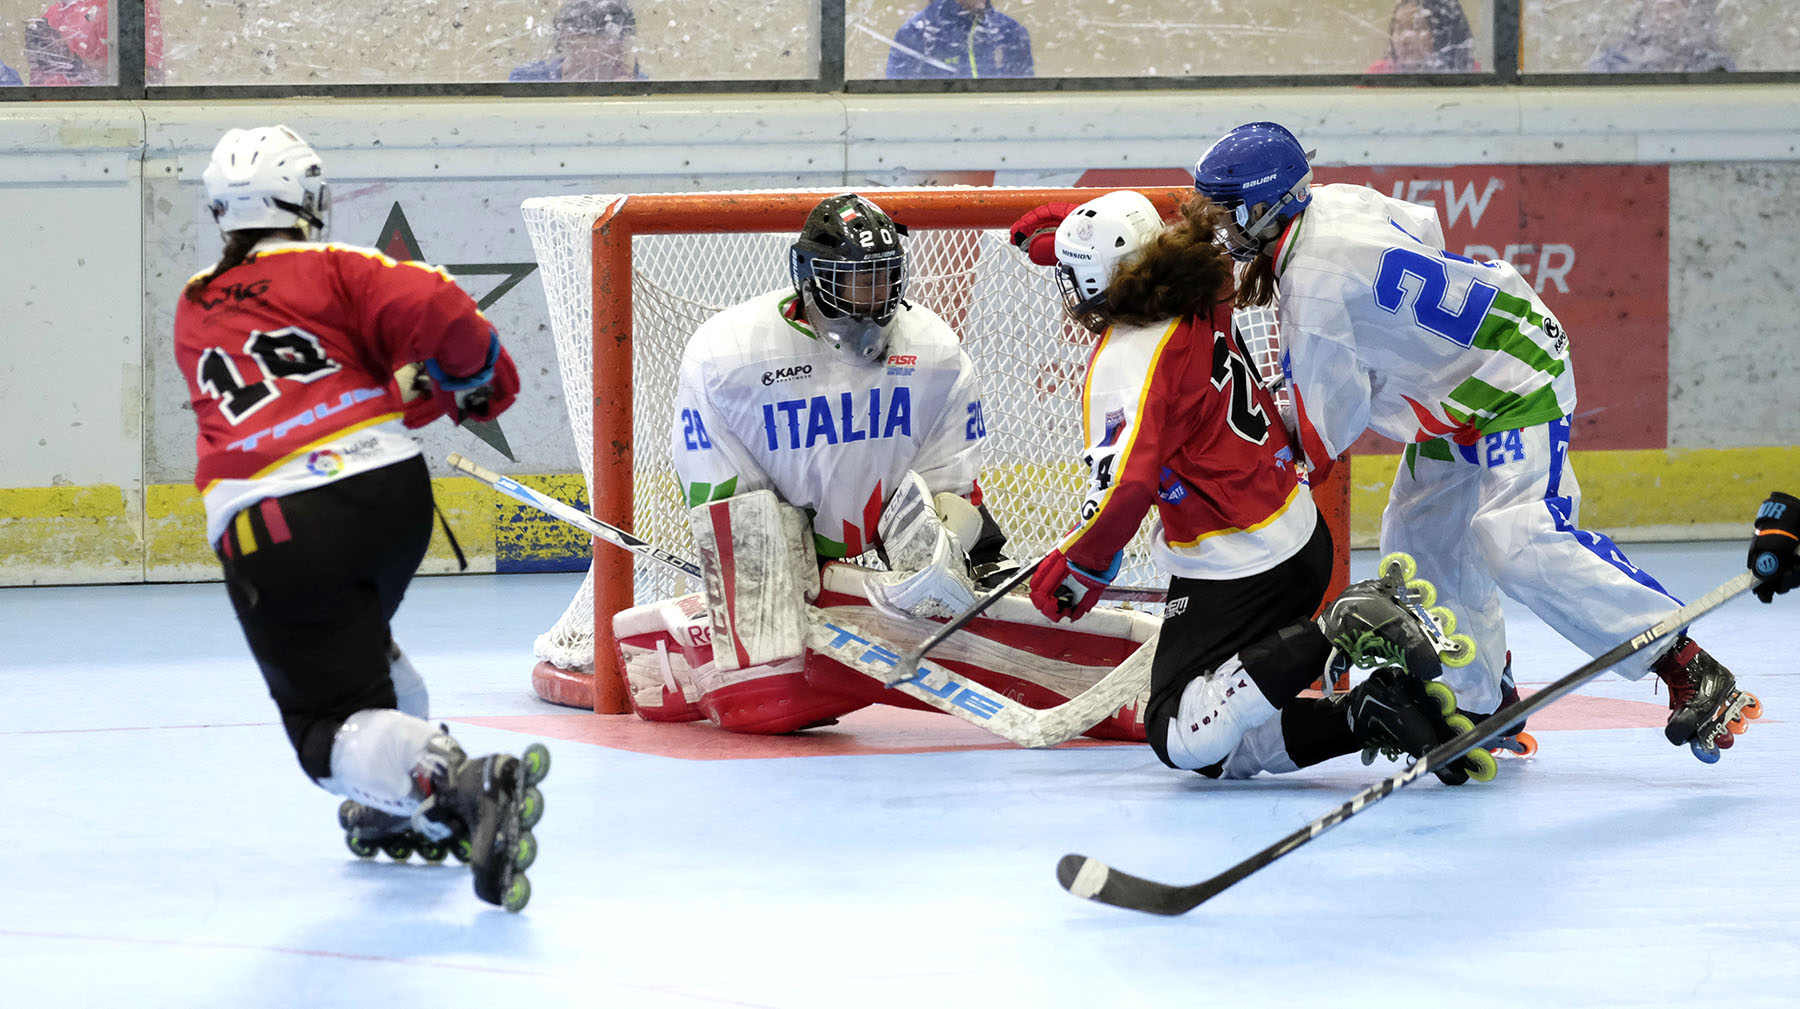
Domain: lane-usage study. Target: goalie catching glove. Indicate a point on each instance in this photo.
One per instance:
(1061, 588)
(428, 392)
(1035, 233)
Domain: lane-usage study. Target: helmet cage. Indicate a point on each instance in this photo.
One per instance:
(1259, 173)
(1083, 297)
(866, 289)
(1246, 232)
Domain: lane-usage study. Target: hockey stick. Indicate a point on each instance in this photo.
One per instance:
(1094, 880)
(907, 669)
(575, 517)
(939, 687)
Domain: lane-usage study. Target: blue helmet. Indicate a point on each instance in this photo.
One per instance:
(1259, 173)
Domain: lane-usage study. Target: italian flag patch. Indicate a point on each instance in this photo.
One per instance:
(848, 213)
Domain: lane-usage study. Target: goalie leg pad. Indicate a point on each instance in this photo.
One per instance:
(662, 646)
(755, 586)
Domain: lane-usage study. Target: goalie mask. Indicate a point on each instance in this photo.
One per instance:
(1258, 173)
(266, 178)
(850, 273)
(1091, 243)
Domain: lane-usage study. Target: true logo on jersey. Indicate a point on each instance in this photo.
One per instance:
(834, 419)
(325, 463)
(1170, 488)
(787, 374)
(901, 364)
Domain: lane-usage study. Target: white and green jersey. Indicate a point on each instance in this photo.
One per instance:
(763, 404)
(1383, 328)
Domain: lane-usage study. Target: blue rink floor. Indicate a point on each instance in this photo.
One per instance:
(161, 847)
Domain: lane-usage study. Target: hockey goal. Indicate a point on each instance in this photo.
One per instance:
(629, 278)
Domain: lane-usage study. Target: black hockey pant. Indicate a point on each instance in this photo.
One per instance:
(315, 578)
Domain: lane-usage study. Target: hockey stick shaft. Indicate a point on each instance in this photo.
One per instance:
(1094, 880)
(575, 516)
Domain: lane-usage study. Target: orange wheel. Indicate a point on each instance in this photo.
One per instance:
(1737, 725)
(1529, 742)
(1754, 708)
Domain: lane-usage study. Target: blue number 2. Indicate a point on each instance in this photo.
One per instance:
(1433, 281)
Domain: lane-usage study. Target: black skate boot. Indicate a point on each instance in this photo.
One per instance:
(1394, 712)
(1706, 710)
(368, 830)
(1385, 621)
(494, 802)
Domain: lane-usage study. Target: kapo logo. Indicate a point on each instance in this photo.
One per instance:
(787, 374)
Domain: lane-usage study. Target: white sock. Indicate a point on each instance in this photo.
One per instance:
(409, 687)
(373, 756)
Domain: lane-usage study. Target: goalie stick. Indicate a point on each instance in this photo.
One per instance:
(867, 654)
(1095, 880)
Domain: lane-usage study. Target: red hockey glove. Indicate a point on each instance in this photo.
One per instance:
(1775, 553)
(1035, 233)
(1060, 589)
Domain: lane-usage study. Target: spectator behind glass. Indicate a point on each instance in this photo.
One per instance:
(1666, 36)
(1428, 37)
(960, 38)
(68, 45)
(9, 78)
(595, 40)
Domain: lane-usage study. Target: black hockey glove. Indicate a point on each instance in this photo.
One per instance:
(1773, 551)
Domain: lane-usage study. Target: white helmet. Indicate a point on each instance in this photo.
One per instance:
(1090, 244)
(266, 178)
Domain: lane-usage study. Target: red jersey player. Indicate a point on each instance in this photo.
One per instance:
(1177, 419)
(319, 506)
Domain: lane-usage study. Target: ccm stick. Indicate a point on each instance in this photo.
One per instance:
(1096, 881)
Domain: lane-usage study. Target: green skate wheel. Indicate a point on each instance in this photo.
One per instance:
(462, 849)
(433, 852)
(525, 852)
(1441, 616)
(1423, 592)
(536, 759)
(1459, 724)
(397, 849)
(1400, 564)
(531, 808)
(1440, 692)
(1480, 764)
(517, 894)
(1461, 653)
(359, 847)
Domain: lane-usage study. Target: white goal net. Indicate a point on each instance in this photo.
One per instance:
(1030, 358)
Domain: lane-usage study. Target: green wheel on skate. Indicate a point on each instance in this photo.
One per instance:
(536, 759)
(1423, 592)
(433, 852)
(1399, 563)
(1461, 653)
(518, 893)
(1459, 724)
(1480, 764)
(1441, 616)
(525, 852)
(531, 808)
(462, 849)
(1440, 692)
(397, 849)
(360, 848)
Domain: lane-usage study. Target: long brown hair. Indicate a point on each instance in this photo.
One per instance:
(1181, 272)
(238, 245)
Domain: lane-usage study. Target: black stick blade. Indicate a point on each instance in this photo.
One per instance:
(1092, 879)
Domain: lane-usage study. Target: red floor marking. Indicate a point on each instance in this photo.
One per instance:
(875, 729)
(1579, 711)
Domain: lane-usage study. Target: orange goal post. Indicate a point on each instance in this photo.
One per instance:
(628, 278)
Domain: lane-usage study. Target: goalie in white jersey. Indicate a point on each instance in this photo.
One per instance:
(1385, 329)
(813, 423)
